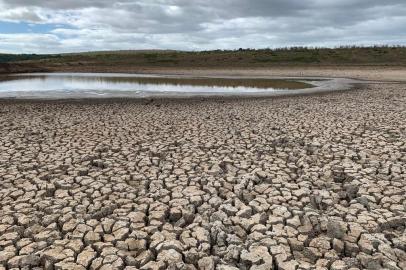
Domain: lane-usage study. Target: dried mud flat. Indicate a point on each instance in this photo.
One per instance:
(310, 182)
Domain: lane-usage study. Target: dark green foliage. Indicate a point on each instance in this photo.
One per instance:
(4, 58)
(346, 55)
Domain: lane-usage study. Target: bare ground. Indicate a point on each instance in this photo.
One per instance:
(362, 73)
(311, 182)
(375, 73)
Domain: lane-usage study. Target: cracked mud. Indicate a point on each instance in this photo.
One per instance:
(315, 182)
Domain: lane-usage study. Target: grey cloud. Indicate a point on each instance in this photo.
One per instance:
(60, 4)
(210, 24)
(21, 15)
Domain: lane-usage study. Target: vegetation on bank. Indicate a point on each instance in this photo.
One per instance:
(6, 58)
(377, 55)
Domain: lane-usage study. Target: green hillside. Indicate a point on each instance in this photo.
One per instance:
(297, 56)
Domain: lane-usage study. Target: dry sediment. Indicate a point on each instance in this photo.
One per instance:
(312, 182)
(7, 68)
(375, 73)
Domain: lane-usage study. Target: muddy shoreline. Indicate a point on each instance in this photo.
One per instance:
(361, 72)
(315, 85)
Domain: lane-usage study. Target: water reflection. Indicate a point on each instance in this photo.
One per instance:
(125, 82)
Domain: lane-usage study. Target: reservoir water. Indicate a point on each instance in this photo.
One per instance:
(65, 85)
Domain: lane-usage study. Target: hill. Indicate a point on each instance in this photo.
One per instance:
(295, 56)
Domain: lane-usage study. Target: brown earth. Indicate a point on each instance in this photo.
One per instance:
(6, 68)
(376, 73)
(306, 182)
(373, 73)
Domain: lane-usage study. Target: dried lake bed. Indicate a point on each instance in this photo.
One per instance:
(294, 182)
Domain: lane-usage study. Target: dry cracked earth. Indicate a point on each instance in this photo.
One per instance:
(311, 182)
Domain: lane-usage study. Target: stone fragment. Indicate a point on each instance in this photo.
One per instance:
(24, 261)
(86, 256)
(206, 263)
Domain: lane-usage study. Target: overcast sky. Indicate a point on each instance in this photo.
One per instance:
(50, 26)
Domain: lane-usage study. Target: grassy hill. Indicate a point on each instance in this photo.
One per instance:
(296, 56)
(6, 58)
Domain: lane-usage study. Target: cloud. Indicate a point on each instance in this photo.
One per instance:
(19, 14)
(204, 24)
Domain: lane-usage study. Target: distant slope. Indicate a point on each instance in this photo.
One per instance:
(111, 61)
(6, 68)
(5, 58)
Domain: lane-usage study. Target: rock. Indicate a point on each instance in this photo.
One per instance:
(54, 254)
(218, 216)
(12, 236)
(351, 249)
(351, 191)
(264, 266)
(338, 246)
(294, 222)
(288, 265)
(229, 210)
(256, 255)
(250, 258)
(206, 263)
(91, 237)
(175, 214)
(171, 244)
(136, 245)
(320, 243)
(5, 255)
(226, 267)
(24, 261)
(154, 266)
(143, 258)
(169, 256)
(246, 212)
(336, 229)
(68, 266)
(201, 234)
(120, 234)
(365, 245)
(338, 265)
(86, 256)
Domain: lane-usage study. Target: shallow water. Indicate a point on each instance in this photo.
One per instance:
(96, 84)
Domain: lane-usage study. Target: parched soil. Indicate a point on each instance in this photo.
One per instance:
(370, 73)
(311, 182)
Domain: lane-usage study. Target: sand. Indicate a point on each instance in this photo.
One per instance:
(277, 183)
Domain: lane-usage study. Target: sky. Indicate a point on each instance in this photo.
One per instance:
(58, 26)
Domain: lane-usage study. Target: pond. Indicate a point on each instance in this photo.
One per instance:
(63, 85)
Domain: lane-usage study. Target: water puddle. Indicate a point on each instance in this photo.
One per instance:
(84, 85)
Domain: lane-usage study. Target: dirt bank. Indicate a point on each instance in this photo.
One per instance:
(362, 73)
(7, 68)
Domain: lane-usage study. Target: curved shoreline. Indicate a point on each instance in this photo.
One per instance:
(321, 85)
